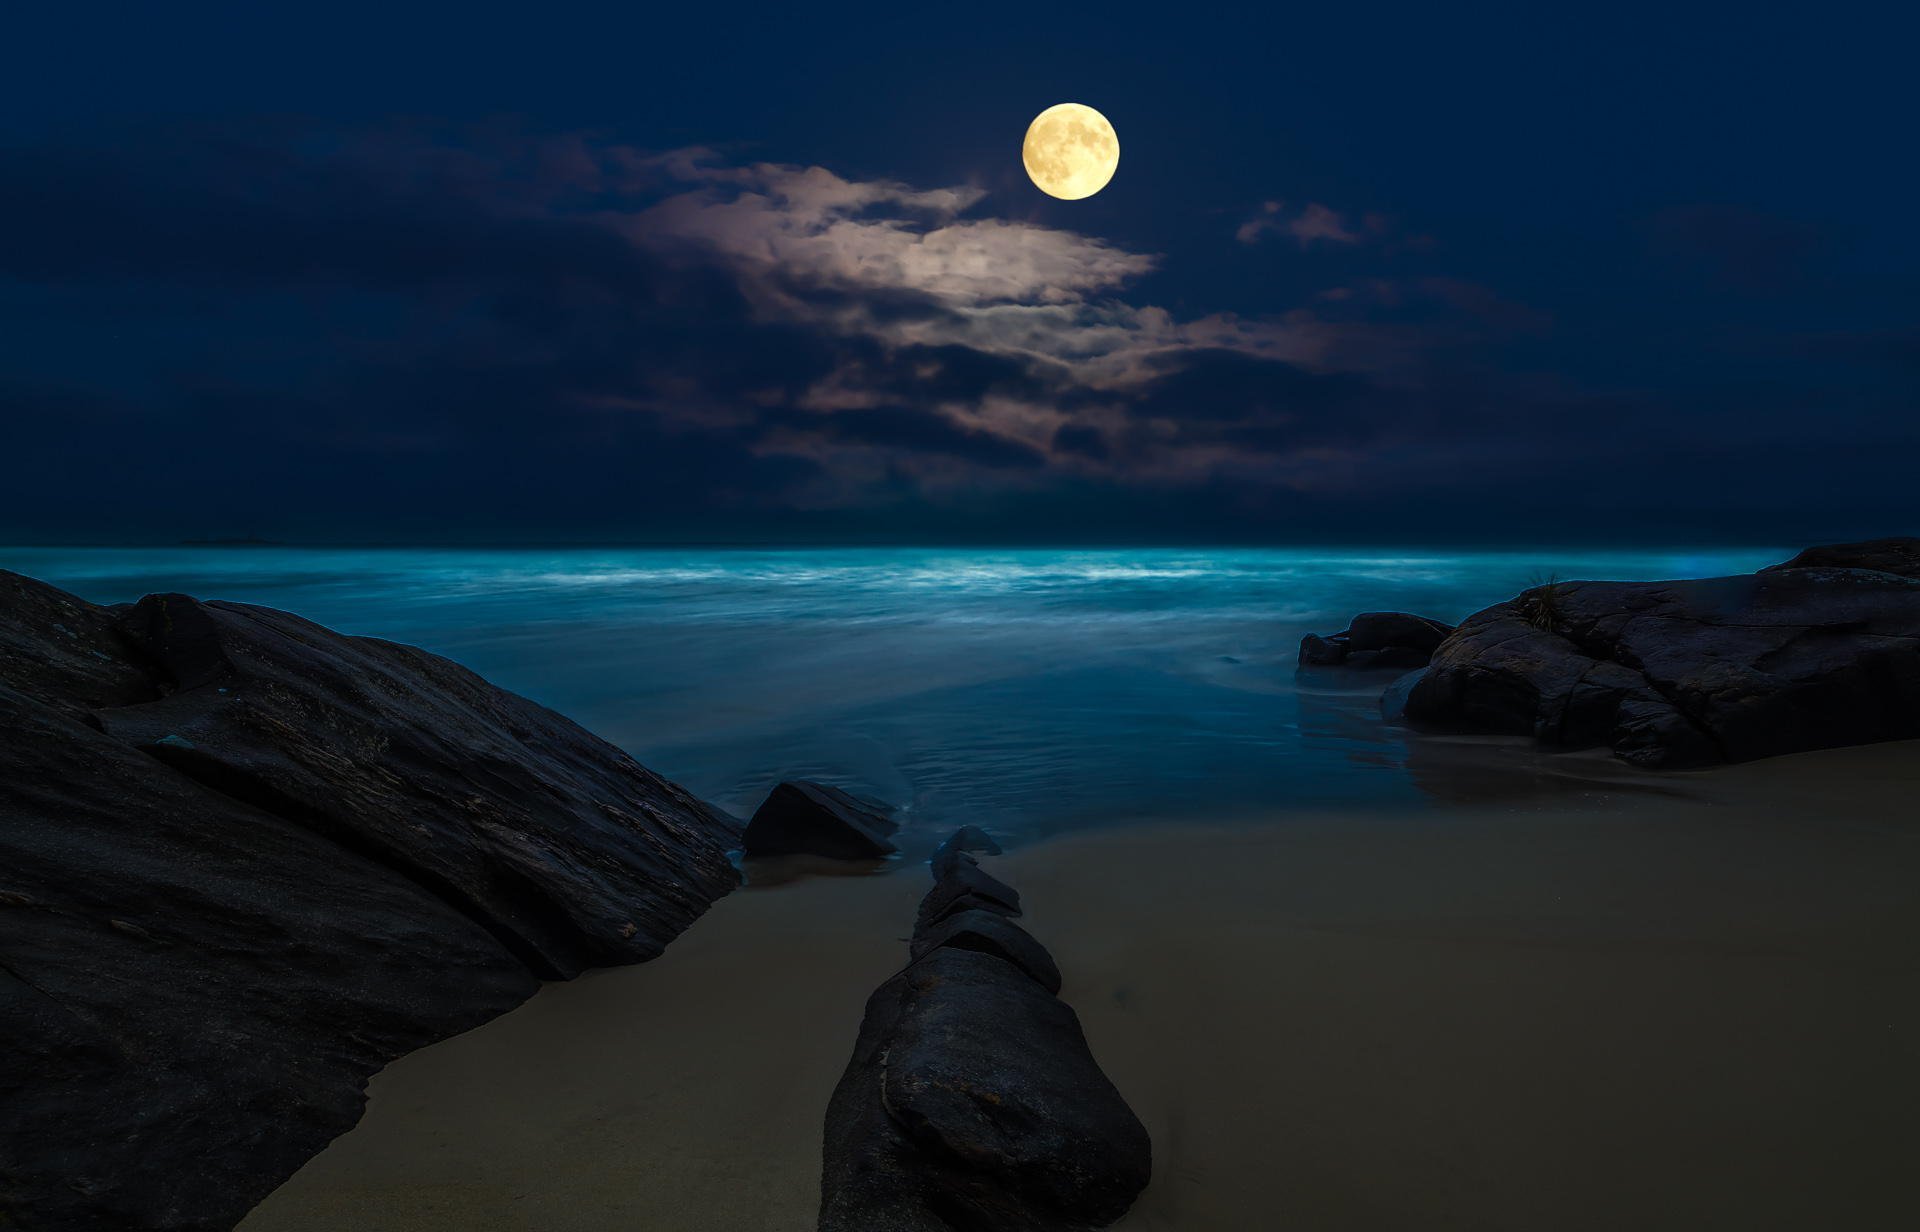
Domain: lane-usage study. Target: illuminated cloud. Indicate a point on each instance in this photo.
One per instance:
(704, 334)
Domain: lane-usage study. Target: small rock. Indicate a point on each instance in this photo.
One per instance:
(1376, 639)
(965, 886)
(965, 839)
(989, 933)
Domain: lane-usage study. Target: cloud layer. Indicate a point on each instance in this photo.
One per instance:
(405, 332)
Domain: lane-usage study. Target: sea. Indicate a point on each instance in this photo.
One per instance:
(1028, 690)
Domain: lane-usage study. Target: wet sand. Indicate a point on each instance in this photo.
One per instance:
(1595, 1011)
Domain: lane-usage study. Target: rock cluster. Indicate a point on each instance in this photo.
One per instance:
(972, 1102)
(1819, 652)
(1376, 639)
(245, 861)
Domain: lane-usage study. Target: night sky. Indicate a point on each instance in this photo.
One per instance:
(1403, 273)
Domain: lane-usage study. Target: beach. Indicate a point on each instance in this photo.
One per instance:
(1681, 1002)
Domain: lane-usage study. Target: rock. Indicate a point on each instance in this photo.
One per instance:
(1376, 639)
(1317, 651)
(972, 1101)
(965, 839)
(990, 933)
(169, 1074)
(965, 886)
(1900, 555)
(564, 848)
(1688, 673)
(246, 861)
(807, 818)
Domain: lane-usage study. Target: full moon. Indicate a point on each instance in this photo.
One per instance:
(1070, 151)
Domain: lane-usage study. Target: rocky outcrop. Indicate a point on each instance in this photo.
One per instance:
(807, 818)
(1376, 639)
(1898, 556)
(972, 1101)
(246, 861)
(1689, 673)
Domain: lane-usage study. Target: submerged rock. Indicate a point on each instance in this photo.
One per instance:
(246, 861)
(972, 1101)
(1689, 673)
(1376, 639)
(808, 818)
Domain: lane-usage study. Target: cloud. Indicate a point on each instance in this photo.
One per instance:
(553, 330)
(1314, 224)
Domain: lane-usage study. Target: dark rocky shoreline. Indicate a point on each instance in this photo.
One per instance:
(245, 861)
(1817, 652)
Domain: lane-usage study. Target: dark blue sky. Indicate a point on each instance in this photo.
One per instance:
(589, 272)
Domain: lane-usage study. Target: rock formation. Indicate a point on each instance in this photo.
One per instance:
(972, 1103)
(1816, 653)
(246, 861)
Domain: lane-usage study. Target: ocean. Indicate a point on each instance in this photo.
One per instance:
(1027, 690)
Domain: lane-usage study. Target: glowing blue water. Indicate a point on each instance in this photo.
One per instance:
(1025, 689)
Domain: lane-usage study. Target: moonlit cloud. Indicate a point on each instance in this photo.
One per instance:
(810, 247)
(739, 337)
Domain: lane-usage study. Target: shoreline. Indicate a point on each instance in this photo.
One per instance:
(1655, 1011)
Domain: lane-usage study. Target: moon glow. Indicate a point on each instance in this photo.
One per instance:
(1070, 151)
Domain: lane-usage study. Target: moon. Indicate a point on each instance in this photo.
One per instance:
(1070, 151)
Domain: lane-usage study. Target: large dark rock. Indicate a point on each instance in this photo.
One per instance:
(1376, 639)
(245, 861)
(568, 851)
(807, 818)
(1899, 555)
(1688, 673)
(972, 1102)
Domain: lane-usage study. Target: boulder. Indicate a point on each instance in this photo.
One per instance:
(957, 844)
(246, 861)
(990, 933)
(807, 818)
(1900, 555)
(972, 1101)
(1688, 673)
(1376, 639)
(965, 886)
(564, 848)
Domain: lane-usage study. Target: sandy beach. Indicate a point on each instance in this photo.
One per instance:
(1684, 1009)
